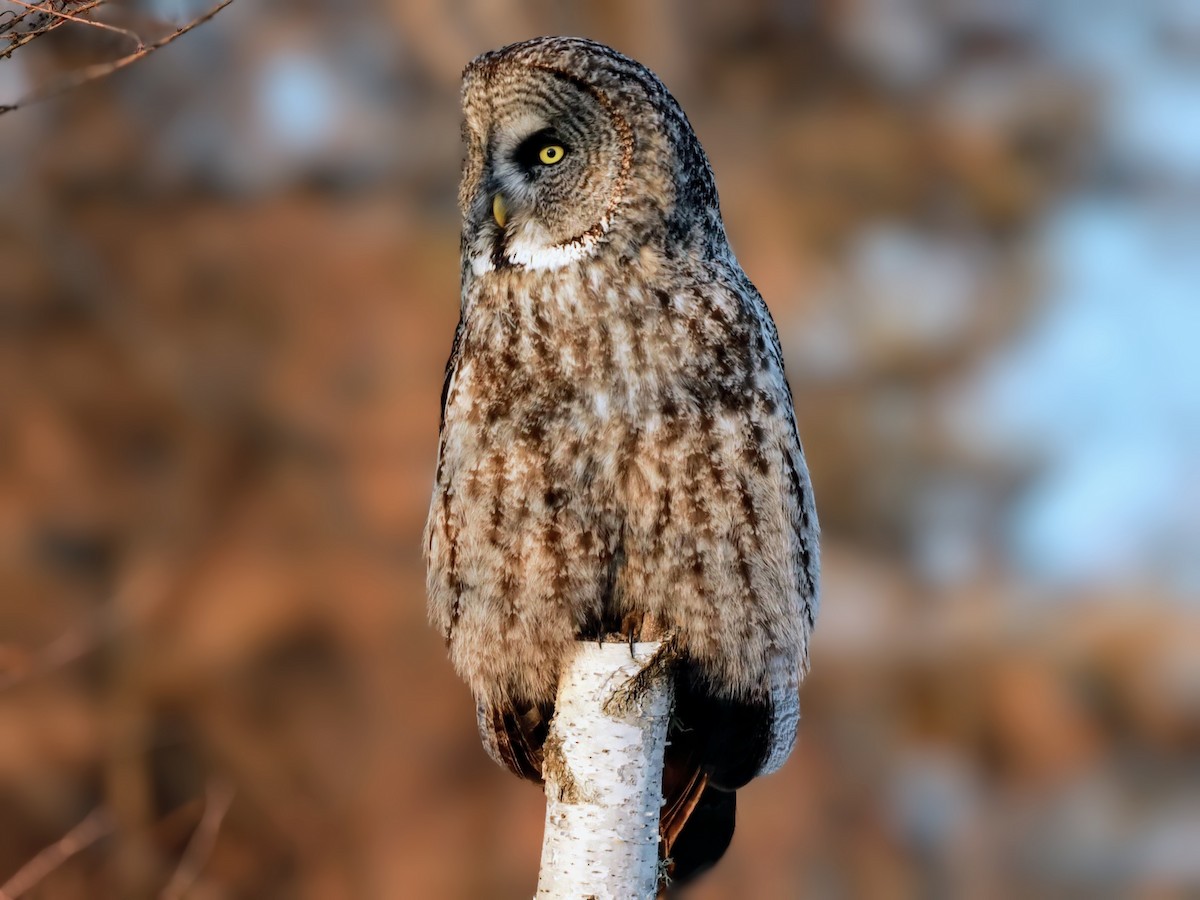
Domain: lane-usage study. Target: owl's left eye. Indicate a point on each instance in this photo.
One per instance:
(540, 151)
(551, 154)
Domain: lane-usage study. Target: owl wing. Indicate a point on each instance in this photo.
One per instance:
(451, 367)
(718, 744)
(514, 739)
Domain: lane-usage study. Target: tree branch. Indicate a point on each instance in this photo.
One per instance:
(17, 39)
(100, 70)
(204, 838)
(60, 17)
(603, 770)
(98, 824)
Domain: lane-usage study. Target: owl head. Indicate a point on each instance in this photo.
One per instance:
(573, 150)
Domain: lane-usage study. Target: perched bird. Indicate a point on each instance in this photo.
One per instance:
(618, 450)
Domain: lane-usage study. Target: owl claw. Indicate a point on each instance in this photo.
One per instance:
(631, 627)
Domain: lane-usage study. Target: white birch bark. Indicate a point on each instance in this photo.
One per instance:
(603, 770)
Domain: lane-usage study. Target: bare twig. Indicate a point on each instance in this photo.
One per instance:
(58, 22)
(100, 70)
(97, 825)
(69, 17)
(204, 838)
(65, 649)
(31, 17)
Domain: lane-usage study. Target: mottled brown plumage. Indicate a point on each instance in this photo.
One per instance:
(618, 443)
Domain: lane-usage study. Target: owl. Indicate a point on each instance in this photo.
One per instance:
(618, 451)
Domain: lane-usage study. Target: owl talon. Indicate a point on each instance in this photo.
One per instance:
(631, 627)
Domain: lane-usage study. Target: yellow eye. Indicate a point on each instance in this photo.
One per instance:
(551, 154)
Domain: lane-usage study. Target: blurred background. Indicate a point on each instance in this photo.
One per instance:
(228, 283)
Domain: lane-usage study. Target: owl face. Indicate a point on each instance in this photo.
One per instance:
(544, 169)
(574, 151)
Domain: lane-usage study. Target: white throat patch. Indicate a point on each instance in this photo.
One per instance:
(528, 250)
(544, 258)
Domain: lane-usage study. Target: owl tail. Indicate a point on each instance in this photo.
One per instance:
(696, 824)
(715, 746)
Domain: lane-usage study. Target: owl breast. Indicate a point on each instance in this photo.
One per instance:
(611, 448)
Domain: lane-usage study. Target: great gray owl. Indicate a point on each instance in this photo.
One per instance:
(618, 448)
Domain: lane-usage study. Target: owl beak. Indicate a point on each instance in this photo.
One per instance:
(499, 210)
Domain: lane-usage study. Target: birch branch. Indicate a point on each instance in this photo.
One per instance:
(603, 770)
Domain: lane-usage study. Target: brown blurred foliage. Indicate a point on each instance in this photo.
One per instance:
(227, 289)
